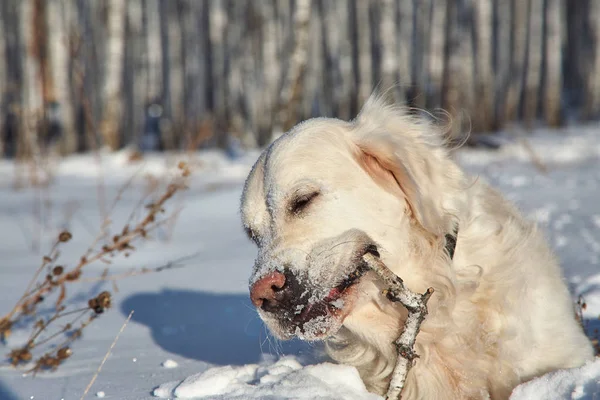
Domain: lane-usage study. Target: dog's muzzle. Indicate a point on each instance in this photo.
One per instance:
(293, 301)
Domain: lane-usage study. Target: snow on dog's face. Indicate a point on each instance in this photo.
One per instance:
(316, 201)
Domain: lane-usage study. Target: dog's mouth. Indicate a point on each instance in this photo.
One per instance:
(316, 318)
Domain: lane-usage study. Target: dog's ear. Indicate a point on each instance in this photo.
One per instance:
(406, 156)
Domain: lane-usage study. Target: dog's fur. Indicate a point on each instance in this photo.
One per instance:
(501, 313)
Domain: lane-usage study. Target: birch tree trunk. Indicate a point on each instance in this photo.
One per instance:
(172, 71)
(534, 62)
(218, 23)
(577, 54)
(421, 52)
(95, 70)
(291, 87)
(59, 18)
(503, 51)
(138, 70)
(323, 41)
(389, 57)
(113, 82)
(4, 87)
(458, 79)
(592, 91)
(31, 88)
(519, 54)
(405, 38)
(3, 66)
(553, 61)
(346, 87)
(153, 50)
(236, 45)
(312, 80)
(365, 61)
(436, 52)
(194, 23)
(271, 67)
(484, 86)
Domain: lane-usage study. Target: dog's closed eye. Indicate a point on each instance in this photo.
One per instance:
(300, 202)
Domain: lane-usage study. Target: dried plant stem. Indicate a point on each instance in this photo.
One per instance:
(112, 345)
(121, 243)
(535, 158)
(135, 272)
(416, 304)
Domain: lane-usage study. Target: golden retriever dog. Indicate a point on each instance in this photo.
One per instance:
(329, 191)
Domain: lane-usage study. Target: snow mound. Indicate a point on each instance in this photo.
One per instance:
(285, 379)
(568, 384)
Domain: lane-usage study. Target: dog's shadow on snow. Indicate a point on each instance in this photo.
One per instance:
(211, 327)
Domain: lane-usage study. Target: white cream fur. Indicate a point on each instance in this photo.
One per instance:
(501, 312)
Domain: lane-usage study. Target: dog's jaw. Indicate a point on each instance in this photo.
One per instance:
(318, 317)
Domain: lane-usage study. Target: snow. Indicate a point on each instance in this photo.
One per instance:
(577, 383)
(169, 364)
(200, 317)
(285, 379)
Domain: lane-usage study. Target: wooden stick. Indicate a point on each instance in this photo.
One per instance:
(416, 304)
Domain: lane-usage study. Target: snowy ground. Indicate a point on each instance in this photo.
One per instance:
(187, 320)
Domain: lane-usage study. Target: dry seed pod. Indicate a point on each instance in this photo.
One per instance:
(64, 236)
(18, 356)
(63, 353)
(73, 275)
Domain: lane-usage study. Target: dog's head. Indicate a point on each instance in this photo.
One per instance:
(328, 192)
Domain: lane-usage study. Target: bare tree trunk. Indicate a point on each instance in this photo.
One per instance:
(577, 55)
(484, 86)
(3, 66)
(113, 82)
(421, 53)
(291, 88)
(592, 94)
(194, 29)
(172, 71)
(553, 61)
(312, 82)
(250, 70)
(389, 57)
(534, 62)
(436, 52)
(519, 53)
(365, 65)
(59, 19)
(4, 83)
(95, 69)
(236, 45)
(31, 88)
(271, 68)
(503, 51)
(138, 70)
(458, 80)
(405, 38)
(153, 51)
(346, 87)
(329, 49)
(218, 24)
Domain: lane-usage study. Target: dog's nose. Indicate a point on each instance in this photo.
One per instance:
(266, 292)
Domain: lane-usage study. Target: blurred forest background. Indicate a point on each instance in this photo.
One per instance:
(173, 74)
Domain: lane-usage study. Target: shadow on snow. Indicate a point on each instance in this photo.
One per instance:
(211, 327)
